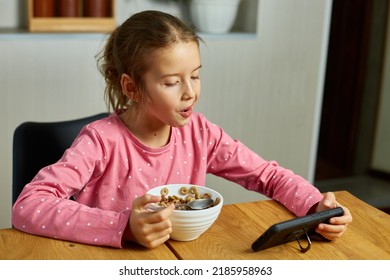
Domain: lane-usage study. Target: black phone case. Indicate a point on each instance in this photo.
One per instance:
(294, 229)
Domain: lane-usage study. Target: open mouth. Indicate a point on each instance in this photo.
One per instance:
(186, 112)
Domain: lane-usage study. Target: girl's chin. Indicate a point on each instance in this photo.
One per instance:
(182, 122)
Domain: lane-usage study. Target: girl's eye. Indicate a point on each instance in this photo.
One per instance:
(195, 77)
(171, 84)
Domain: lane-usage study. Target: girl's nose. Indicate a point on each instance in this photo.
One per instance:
(188, 91)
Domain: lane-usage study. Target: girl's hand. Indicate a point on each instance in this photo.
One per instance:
(338, 225)
(147, 228)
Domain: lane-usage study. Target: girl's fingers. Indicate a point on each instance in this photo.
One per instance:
(155, 234)
(158, 216)
(331, 232)
(140, 202)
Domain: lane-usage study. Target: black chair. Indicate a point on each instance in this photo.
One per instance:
(38, 144)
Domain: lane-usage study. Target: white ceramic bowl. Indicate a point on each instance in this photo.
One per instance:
(190, 224)
(214, 16)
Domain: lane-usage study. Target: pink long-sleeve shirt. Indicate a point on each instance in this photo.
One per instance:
(107, 167)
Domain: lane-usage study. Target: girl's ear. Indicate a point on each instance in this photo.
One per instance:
(128, 87)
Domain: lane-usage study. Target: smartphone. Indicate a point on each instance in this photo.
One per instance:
(294, 229)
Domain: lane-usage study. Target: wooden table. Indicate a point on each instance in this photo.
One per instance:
(231, 236)
(238, 225)
(17, 245)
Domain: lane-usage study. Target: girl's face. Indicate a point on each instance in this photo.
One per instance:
(172, 83)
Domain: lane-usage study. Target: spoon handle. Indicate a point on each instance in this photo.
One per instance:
(182, 207)
(152, 207)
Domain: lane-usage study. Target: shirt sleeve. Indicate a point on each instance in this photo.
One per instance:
(232, 160)
(44, 206)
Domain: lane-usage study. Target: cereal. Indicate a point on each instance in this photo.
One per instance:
(206, 195)
(194, 189)
(183, 191)
(185, 195)
(164, 191)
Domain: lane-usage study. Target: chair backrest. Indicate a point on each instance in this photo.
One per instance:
(38, 144)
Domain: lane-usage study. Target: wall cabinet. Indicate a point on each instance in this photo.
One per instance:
(71, 16)
(19, 16)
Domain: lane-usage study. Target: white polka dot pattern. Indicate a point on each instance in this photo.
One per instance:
(107, 168)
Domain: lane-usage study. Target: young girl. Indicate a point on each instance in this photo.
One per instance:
(152, 66)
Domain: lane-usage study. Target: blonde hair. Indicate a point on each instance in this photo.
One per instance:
(128, 47)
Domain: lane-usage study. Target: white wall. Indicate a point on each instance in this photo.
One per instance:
(265, 89)
(43, 79)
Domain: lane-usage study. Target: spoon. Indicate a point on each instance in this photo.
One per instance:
(197, 204)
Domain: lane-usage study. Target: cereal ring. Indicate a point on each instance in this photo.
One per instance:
(206, 195)
(164, 191)
(194, 189)
(183, 191)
